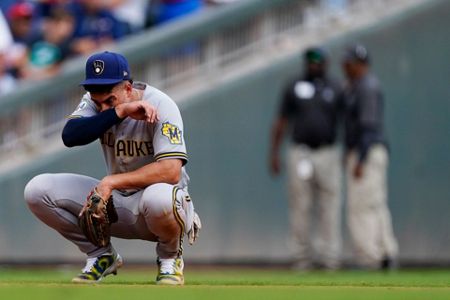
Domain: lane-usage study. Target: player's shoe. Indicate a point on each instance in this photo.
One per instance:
(98, 267)
(170, 271)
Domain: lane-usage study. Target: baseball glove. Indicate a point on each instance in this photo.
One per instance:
(96, 217)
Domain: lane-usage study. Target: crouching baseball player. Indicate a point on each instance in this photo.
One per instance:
(144, 196)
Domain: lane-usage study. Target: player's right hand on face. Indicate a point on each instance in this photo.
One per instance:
(138, 110)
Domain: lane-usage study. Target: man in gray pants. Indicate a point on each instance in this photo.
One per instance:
(369, 220)
(310, 108)
(141, 133)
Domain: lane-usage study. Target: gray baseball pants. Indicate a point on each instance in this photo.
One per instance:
(158, 213)
(315, 181)
(369, 220)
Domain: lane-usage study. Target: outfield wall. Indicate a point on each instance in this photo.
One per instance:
(227, 131)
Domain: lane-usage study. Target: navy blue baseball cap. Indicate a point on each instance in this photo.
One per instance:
(356, 53)
(106, 68)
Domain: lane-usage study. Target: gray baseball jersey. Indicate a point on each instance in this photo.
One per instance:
(132, 144)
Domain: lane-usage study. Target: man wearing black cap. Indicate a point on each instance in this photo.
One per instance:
(145, 154)
(369, 219)
(310, 108)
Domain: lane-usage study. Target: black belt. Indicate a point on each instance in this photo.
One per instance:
(315, 146)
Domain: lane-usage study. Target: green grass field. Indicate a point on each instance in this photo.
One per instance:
(228, 283)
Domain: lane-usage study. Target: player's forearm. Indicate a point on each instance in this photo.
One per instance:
(164, 171)
(84, 130)
(277, 134)
(369, 135)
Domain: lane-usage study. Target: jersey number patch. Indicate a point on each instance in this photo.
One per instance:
(172, 132)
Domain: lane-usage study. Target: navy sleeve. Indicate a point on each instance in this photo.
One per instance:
(370, 120)
(368, 137)
(84, 130)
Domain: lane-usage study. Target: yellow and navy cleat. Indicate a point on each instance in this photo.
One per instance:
(170, 271)
(98, 267)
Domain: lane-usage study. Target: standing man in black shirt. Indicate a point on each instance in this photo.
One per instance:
(369, 219)
(310, 108)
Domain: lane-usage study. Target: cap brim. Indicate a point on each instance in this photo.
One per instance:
(101, 81)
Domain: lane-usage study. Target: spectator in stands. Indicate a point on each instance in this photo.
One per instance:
(46, 55)
(184, 57)
(6, 39)
(95, 27)
(168, 10)
(7, 81)
(132, 13)
(43, 8)
(20, 19)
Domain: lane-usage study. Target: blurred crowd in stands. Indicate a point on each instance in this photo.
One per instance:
(36, 36)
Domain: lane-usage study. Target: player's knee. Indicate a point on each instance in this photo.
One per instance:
(157, 200)
(36, 190)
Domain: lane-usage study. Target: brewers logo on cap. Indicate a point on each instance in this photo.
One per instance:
(99, 66)
(106, 68)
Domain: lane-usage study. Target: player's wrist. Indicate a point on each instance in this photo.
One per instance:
(120, 111)
(105, 187)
